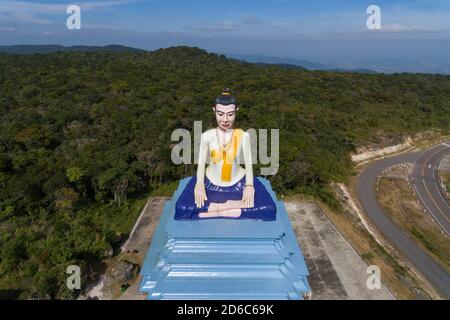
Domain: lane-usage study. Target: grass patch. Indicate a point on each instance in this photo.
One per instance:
(165, 190)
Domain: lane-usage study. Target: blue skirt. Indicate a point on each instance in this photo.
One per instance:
(264, 208)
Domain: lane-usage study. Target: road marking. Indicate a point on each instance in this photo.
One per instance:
(425, 163)
(446, 144)
(437, 186)
(423, 178)
(442, 197)
(431, 212)
(431, 197)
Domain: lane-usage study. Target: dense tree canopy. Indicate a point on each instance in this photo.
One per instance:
(85, 137)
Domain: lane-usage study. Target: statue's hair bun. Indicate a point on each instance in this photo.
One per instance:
(226, 98)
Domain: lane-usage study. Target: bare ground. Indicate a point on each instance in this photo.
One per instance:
(337, 271)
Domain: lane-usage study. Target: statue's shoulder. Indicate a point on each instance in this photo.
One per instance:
(209, 132)
(242, 133)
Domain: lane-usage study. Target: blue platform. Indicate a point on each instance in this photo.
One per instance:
(224, 259)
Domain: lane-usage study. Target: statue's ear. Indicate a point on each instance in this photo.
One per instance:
(237, 109)
(214, 109)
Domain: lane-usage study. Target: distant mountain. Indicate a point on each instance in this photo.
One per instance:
(32, 49)
(287, 63)
(292, 63)
(276, 60)
(359, 70)
(282, 65)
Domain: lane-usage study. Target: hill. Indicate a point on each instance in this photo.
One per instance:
(292, 63)
(33, 49)
(85, 138)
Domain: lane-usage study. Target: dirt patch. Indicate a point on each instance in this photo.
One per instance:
(376, 153)
(446, 184)
(344, 197)
(336, 269)
(390, 146)
(444, 165)
(444, 173)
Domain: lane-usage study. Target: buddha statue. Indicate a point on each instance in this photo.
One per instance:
(225, 189)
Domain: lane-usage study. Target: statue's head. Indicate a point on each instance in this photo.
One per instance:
(225, 109)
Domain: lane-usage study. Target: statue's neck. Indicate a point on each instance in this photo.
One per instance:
(225, 131)
(223, 136)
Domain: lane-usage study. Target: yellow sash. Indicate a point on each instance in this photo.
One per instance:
(228, 155)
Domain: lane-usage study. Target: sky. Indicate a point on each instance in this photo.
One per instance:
(414, 34)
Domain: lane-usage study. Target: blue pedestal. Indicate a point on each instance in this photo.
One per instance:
(224, 259)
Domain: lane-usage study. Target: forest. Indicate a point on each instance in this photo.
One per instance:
(85, 140)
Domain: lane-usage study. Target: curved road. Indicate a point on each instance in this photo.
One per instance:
(423, 181)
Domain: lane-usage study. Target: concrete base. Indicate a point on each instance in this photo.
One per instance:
(224, 259)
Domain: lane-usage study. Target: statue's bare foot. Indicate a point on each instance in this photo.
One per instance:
(213, 207)
(232, 204)
(229, 209)
(232, 213)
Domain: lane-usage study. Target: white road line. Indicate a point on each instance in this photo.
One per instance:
(436, 182)
(423, 153)
(431, 212)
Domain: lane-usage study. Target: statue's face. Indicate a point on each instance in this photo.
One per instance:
(225, 115)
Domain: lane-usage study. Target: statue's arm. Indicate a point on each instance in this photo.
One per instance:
(249, 190)
(200, 192)
(203, 152)
(247, 149)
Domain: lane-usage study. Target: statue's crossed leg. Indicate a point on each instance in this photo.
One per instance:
(229, 209)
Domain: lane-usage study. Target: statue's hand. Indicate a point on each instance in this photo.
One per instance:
(249, 197)
(200, 195)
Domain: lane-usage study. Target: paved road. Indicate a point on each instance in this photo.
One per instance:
(366, 193)
(425, 179)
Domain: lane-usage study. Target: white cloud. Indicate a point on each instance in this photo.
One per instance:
(7, 28)
(404, 28)
(23, 17)
(10, 6)
(219, 26)
(27, 12)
